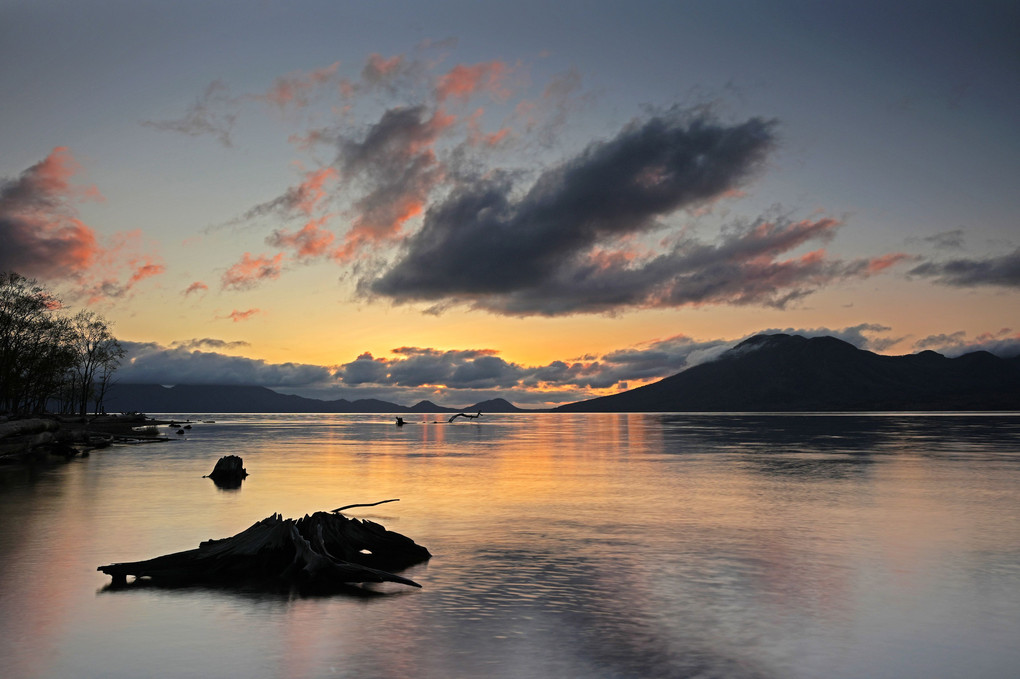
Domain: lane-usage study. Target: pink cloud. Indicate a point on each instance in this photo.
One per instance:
(43, 236)
(463, 81)
(378, 68)
(311, 241)
(39, 226)
(397, 160)
(378, 225)
(477, 137)
(885, 261)
(146, 270)
(197, 286)
(237, 316)
(295, 88)
(250, 271)
(312, 190)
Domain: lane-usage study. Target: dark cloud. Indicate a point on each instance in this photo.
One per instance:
(1002, 271)
(947, 240)
(208, 343)
(183, 363)
(562, 247)
(417, 367)
(210, 115)
(363, 370)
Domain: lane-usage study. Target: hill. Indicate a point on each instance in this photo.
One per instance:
(206, 398)
(793, 373)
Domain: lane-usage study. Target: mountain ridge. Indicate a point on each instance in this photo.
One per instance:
(790, 373)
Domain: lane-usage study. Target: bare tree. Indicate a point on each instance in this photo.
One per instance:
(96, 351)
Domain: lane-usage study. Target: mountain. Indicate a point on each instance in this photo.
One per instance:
(208, 398)
(496, 405)
(793, 373)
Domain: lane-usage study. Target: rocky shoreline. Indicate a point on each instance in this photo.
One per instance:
(42, 439)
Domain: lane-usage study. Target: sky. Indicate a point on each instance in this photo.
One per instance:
(543, 202)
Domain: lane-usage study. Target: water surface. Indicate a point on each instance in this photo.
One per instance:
(609, 545)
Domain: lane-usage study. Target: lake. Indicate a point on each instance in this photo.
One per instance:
(581, 545)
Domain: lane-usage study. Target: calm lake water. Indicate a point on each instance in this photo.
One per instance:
(609, 545)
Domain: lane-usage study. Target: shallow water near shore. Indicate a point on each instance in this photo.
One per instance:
(602, 545)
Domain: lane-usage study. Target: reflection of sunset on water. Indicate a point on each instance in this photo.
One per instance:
(564, 545)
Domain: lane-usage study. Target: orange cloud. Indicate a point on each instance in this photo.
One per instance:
(463, 81)
(250, 271)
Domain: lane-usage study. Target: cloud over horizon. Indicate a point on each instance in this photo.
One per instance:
(186, 363)
(466, 376)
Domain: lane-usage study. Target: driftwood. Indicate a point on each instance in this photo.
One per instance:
(320, 554)
(229, 472)
(470, 417)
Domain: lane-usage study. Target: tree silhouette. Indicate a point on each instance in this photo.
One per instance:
(48, 359)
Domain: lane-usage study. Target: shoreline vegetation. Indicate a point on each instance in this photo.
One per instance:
(48, 438)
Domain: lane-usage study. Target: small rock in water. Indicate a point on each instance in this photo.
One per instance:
(229, 472)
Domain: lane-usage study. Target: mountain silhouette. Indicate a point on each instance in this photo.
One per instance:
(222, 398)
(792, 373)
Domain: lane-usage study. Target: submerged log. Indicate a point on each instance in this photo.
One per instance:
(470, 417)
(229, 472)
(321, 553)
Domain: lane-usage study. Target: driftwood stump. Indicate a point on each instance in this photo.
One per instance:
(319, 554)
(229, 472)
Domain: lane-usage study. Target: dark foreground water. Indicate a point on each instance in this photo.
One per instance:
(565, 546)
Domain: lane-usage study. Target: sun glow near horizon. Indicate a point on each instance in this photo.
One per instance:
(507, 212)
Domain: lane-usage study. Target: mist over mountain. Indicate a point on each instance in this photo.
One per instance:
(792, 373)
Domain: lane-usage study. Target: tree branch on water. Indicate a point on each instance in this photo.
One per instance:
(369, 504)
